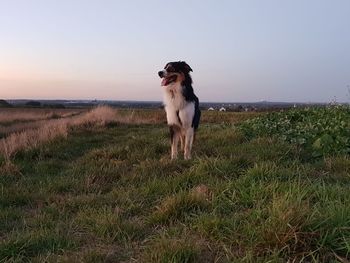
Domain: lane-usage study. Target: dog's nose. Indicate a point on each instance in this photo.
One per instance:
(160, 74)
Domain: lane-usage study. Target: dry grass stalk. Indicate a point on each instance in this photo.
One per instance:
(137, 116)
(52, 129)
(9, 168)
(12, 121)
(24, 115)
(99, 116)
(22, 126)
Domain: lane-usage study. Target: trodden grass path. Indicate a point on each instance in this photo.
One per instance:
(112, 195)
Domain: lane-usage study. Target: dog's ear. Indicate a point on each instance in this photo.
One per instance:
(186, 66)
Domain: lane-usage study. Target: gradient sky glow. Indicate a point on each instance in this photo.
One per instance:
(290, 50)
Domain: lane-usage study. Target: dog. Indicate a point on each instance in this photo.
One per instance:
(181, 106)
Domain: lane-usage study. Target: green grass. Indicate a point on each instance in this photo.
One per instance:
(113, 195)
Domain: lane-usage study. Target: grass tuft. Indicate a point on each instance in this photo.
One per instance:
(32, 243)
(106, 222)
(181, 205)
(165, 250)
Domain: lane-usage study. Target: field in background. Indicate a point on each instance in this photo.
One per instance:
(22, 129)
(106, 191)
(158, 116)
(13, 115)
(20, 119)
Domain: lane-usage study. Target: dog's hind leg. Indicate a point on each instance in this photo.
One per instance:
(188, 143)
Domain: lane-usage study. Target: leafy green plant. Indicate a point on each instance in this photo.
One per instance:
(322, 130)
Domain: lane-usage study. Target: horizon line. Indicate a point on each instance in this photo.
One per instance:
(160, 101)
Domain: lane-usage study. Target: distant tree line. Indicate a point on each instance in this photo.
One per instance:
(38, 104)
(32, 104)
(5, 104)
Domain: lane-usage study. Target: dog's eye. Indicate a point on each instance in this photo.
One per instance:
(170, 69)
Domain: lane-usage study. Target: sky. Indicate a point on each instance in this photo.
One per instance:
(240, 51)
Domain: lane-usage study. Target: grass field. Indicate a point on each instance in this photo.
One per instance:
(109, 193)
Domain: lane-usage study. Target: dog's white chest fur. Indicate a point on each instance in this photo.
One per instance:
(178, 111)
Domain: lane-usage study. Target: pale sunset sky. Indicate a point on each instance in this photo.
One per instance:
(251, 50)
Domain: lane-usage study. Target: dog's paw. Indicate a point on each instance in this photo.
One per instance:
(187, 156)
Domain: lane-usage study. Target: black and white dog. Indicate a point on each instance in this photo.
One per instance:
(181, 106)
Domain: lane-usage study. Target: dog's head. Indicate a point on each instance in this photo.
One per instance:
(175, 72)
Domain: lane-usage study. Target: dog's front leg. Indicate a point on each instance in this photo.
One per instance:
(182, 140)
(188, 143)
(175, 134)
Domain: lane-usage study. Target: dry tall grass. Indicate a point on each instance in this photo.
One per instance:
(25, 114)
(22, 126)
(52, 129)
(142, 116)
(20, 119)
(31, 138)
(12, 121)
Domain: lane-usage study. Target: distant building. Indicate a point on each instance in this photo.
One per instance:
(211, 109)
(222, 109)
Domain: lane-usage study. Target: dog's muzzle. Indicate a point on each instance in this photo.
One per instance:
(161, 74)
